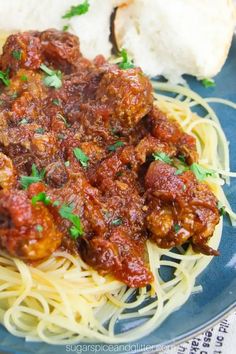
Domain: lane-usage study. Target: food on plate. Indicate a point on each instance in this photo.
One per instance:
(100, 178)
(173, 38)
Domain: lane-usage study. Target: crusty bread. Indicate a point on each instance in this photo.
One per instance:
(174, 37)
(93, 28)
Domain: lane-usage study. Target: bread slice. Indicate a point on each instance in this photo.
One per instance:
(93, 27)
(176, 37)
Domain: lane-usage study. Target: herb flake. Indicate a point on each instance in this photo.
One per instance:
(200, 172)
(81, 157)
(115, 146)
(53, 78)
(4, 76)
(126, 63)
(41, 197)
(208, 83)
(36, 176)
(77, 10)
(161, 156)
(17, 54)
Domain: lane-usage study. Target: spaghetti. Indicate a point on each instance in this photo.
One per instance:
(62, 300)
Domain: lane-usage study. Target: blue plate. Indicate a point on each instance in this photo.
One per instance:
(218, 298)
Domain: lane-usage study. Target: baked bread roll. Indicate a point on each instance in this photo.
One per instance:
(176, 37)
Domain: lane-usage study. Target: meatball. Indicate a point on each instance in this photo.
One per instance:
(128, 93)
(26, 231)
(180, 208)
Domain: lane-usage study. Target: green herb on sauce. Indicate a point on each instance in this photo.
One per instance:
(39, 228)
(16, 54)
(81, 157)
(40, 131)
(24, 121)
(76, 230)
(115, 146)
(53, 78)
(24, 78)
(41, 197)
(161, 156)
(177, 227)
(56, 102)
(117, 222)
(36, 176)
(4, 76)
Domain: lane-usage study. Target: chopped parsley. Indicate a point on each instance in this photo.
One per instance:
(161, 156)
(24, 78)
(16, 54)
(56, 101)
(126, 63)
(76, 230)
(4, 76)
(39, 228)
(81, 157)
(24, 121)
(177, 227)
(36, 176)
(41, 197)
(182, 158)
(65, 28)
(77, 10)
(208, 83)
(53, 78)
(221, 208)
(200, 172)
(56, 203)
(181, 169)
(115, 146)
(40, 131)
(117, 222)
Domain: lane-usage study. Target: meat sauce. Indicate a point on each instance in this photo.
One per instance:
(121, 196)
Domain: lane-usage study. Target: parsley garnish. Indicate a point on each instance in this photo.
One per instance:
(208, 83)
(76, 230)
(41, 197)
(39, 228)
(65, 28)
(177, 227)
(24, 78)
(115, 146)
(77, 10)
(117, 222)
(24, 121)
(200, 172)
(81, 157)
(16, 54)
(161, 156)
(56, 101)
(4, 76)
(36, 176)
(40, 131)
(221, 208)
(53, 78)
(126, 63)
